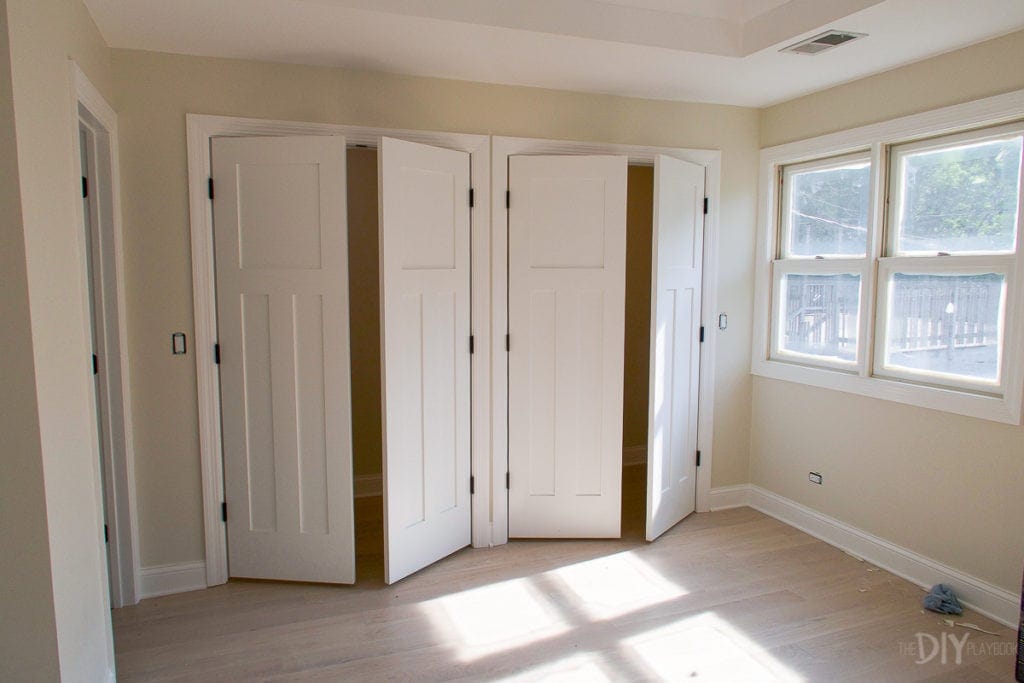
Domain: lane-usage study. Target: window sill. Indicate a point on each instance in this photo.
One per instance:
(996, 409)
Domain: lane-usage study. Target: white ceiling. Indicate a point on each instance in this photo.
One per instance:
(723, 51)
(734, 10)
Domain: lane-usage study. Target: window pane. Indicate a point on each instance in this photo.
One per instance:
(820, 315)
(828, 211)
(946, 324)
(959, 199)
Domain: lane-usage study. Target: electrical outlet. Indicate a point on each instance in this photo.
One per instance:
(814, 478)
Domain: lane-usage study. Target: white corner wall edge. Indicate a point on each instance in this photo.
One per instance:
(981, 596)
(167, 579)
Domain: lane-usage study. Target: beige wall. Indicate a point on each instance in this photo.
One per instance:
(155, 91)
(947, 486)
(981, 70)
(28, 630)
(43, 35)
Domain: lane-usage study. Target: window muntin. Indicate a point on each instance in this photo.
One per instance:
(944, 328)
(956, 196)
(826, 208)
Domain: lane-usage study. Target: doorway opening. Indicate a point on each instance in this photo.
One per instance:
(205, 134)
(570, 411)
(96, 136)
(283, 352)
(366, 359)
(636, 377)
(364, 331)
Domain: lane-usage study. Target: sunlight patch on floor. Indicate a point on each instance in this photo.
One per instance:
(610, 586)
(495, 618)
(704, 648)
(584, 667)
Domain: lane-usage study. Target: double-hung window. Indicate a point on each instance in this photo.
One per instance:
(819, 277)
(954, 210)
(893, 270)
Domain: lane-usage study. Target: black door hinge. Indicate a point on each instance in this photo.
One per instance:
(209, 187)
(224, 512)
(508, 480)
(472, 485)
(701, 334)
(95, 365)
(698, 458)
(471, 197)
(216, 354)
(706, 203)
(471, 344)
(508, 199)
(508, 342)
(85, 187)
(106, 534)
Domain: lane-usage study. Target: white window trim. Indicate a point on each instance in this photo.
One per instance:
(878, 137)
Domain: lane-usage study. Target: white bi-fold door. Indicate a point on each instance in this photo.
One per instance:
(567, 252)
(678, 252)
(425, 329)
(282, 318)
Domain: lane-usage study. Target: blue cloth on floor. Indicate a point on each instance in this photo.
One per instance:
(942, 599)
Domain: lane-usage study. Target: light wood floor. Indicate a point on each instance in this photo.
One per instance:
(731, 595)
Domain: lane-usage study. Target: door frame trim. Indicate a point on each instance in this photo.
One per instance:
(501, 149)
(200, 129)
(118, 492)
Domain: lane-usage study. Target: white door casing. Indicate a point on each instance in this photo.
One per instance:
(425, 331)
(282, 304)
(93, 259)
(567, 248)
(677, 248)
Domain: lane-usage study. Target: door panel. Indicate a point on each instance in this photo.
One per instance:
(282, 309)
(677, 249)
(567, 251)
(425, 325)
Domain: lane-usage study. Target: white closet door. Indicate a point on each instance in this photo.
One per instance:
(282, 317)
(678, 251)
(567, 257)
(425, 277)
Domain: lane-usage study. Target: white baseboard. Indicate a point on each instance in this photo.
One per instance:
(978, 594)
(367, 485)
(727, 497)
(634, 455)
(166, 579)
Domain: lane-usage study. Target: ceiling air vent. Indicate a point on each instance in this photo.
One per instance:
(822, 41)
